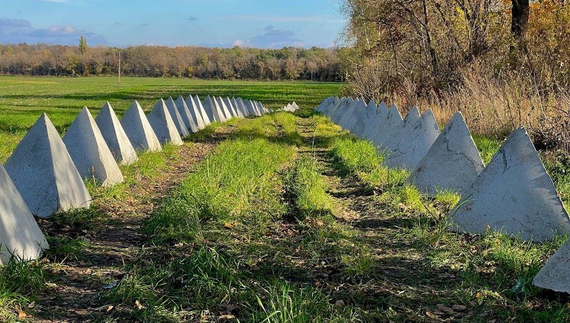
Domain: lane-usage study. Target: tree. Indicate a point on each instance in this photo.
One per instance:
(82, 45)
(519, 21)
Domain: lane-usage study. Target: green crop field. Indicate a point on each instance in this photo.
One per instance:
(23, 99)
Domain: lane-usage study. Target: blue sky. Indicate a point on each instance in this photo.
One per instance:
(211, 23)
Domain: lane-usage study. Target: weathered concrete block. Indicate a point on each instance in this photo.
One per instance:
(20, 235)
(375, 122)
(180, 125)
(115, 136)
(391, 123)
(408, 123)
(555, 275)
(89, 151)
(223, 108)
(163, 125)
(197, 106)
(237, 107)
(139, 130)
(187, 117)
(212, 107)
(452, 163)
(414, 144)
(513, 194)
(44, 173)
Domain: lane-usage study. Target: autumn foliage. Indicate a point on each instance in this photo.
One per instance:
(452, 55)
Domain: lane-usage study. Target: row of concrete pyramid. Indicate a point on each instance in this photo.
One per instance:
(290, 107)
(512, 194)
(45, 174)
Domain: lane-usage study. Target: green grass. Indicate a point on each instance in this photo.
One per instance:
(23, 99)
(309, 188)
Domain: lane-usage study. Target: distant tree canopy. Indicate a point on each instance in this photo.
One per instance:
(288, 63)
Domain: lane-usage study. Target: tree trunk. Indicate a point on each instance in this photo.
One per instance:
(519, 20)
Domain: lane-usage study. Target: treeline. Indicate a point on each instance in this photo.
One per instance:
(503, 63)
(316, 64)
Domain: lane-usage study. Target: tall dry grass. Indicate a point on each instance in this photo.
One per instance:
(494, 106)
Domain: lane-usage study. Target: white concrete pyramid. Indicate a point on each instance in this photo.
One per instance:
(408, 123)
(187, 117)
(391, 123)
(223, 107)
(241, 107)
(452, 163)
(163, 125)
(366, 114)
(237, 108)
(115, 136)
(44, 173)
(89, 151)
(200, 108)
(513, 194)
(212, 106)
(352, 118)
(414, 144)
(375, 122)
(230, 107)
(139, 130)
(341, 110)
(180, 125)
(331, 106)
(324, 104)
(20, 235)
(350, 115)
(248, 107)
(555, 275)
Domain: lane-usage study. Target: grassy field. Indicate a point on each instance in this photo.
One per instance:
(282, 218)
(287, 219)
(23, 99)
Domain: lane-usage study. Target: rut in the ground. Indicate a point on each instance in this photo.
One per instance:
(76, 283)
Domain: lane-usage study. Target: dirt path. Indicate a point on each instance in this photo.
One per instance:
(402, 273)
(108, 247)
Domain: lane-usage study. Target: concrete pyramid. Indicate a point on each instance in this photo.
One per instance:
(555, 274)
(363, 118)
(331, 108)
(213, 109)
(324, 104)
(194, 104)
(224, 108)
(408, 123)
(359, 112)
(115, 136)
(163, 125)
(20, 235)
(514, 194)
(237, 107)
(391, 123)
(230, 107)
(295, 106)
(352, 114)
(248, 107)
(190, 120)
(180, 125)
(414, 144)
(90, 152)
(452, 163)
(240, 107)
(44, 173)
(244, 107)
(342, 109)
(375, 122)
(139, 130)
